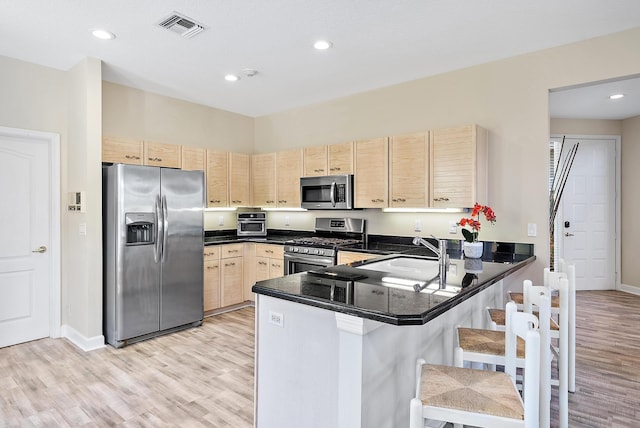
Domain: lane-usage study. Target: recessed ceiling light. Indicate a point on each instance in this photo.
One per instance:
(322, 45)
(616, 96)
(231, 78)
(103, 34)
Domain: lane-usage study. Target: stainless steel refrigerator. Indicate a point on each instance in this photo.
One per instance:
(153, 241)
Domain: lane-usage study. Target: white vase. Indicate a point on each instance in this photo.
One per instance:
(472, 250)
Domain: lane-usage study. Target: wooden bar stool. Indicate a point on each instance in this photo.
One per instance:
(479, 397)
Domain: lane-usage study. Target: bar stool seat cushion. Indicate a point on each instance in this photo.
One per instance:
(519, 299)
(486, 341)
(498, 317)
(478, 391)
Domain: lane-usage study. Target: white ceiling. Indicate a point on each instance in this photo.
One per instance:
(377, 43)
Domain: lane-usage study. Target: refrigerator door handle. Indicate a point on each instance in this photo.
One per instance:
(157, 246)
(165, 226)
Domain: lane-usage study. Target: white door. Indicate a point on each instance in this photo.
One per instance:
(586, 225)
(25, 233)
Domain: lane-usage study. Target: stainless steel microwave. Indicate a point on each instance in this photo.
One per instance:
(252, 224)
(330, 192)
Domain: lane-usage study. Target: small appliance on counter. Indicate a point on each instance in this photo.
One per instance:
(252, 224)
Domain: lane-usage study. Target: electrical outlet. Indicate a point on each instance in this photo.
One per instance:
(220, 220)
(287, 220)
(453, 269)
(417, 226)
(276, 318)
(453, 227)
(531, 229)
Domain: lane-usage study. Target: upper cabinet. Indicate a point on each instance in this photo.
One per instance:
(122, 150)
(408, 171)
(288, 173)
(263, 171)
(161, 154)
(459, 166)
(239, 180)
(276, 179)
(315, 161)
(193, 158)
(334, 159)
(340, 158)
(217, 179)
(371, 173)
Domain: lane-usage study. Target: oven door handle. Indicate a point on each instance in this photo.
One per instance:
(308, 259)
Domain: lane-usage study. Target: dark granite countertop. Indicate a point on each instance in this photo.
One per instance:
(362, 292)
(274, 236)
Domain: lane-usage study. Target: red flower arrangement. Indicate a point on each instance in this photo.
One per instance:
(474, 223)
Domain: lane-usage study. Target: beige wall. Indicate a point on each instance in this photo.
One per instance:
(586, 127)
(508, 97)
(630, 201)
(133, 113)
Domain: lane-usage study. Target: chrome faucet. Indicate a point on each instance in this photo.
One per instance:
(443, 257)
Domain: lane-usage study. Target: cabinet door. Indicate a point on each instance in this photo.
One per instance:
(458, 167)
(276, 268)
(408, 167)
(231, 274)
(340, 158)
(193, 158)
(315, 161)
(346, 257)
(211, 290)
(263, 169)
(239, 179)
(288, 173)
(121, 150)
(217, 179)
(160, 154)
(262, 268)
(371, 173)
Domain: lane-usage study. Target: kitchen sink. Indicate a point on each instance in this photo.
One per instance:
(408, 268)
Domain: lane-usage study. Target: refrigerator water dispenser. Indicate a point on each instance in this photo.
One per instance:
(140, 228)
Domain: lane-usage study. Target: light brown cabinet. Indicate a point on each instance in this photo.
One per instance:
(458, 166)
(239, 179)
(231, 274)
(340, 158)
(211, 291)
(288, 173)
(315, 161)
(372, 173)
(333, 159)
(346, 257)
(161, 154)
(122, 150)
(408, 171)
(193, 158)
(217, 179)
(263, 173)
(269, 261)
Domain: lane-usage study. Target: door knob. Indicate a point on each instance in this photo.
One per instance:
(42, 249)
(568, 234)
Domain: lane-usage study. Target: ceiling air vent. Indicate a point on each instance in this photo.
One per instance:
(182, 25)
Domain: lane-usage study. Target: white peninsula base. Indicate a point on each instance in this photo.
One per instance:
(316, 368)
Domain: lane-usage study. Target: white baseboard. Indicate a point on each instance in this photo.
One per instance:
(85, 343)
(630, 289)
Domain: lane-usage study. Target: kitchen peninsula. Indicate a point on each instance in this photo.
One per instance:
(337, 347)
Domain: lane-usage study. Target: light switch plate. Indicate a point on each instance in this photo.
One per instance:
(532, 229)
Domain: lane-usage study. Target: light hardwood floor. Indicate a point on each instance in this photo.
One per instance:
(203, 377)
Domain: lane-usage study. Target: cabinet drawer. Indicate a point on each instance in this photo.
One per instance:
(231, 250)
(211, 252)
(270, 251)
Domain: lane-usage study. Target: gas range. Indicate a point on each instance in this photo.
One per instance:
(319, 251)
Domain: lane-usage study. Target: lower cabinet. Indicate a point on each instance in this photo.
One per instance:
(269, 261)
(346, 257)
(211, 292)
(231, 274)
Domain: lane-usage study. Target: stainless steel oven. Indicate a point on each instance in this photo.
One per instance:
(252, 224)
(302, 261)
(319, 251)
